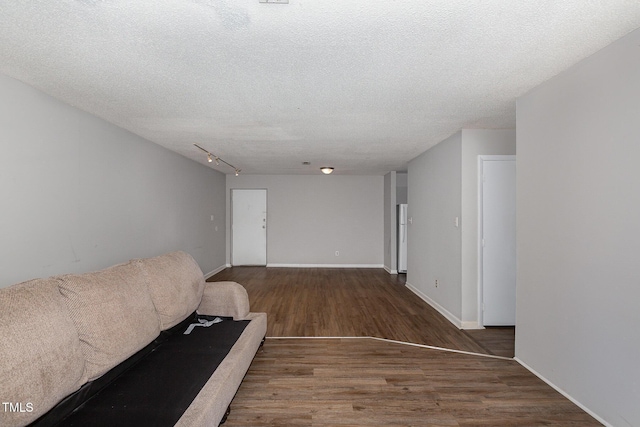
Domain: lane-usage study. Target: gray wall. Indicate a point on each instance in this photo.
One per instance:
(579, 231)
(476, 142)
(309, 217)
(402, 191)
(434, 243)
(444, 185)
(79, 194)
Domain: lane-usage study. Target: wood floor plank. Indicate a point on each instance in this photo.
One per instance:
(368, 382)
(325, 302)
(364, 382)
(496, 340)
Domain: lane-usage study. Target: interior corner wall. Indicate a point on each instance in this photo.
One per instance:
(434, 243)
(390, 225)
(402, 186)
(310, 217)
(578, 232)
(476, 142)
(80, 194)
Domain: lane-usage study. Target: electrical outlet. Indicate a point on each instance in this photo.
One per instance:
(337, 253)
(436, 283)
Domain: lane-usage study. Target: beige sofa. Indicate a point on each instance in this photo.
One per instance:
(58, 334)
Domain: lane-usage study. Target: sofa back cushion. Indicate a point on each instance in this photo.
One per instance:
(113, 313)
(176, 284)
(40, 357)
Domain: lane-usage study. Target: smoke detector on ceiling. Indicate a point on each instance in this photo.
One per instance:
(275, 1)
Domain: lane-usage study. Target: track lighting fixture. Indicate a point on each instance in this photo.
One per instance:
(212, 157)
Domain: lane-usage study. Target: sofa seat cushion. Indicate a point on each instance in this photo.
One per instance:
(112, 312)
(176, 284)
(160, 387)
(40, 355)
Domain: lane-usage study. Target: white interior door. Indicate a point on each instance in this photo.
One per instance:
(249, 227)
(498, 242)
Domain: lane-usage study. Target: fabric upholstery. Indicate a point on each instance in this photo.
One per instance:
(40, 357)
(159, 388)
(175, 284)
(112, 312)
(228, 299)
(61, 332)
(208, 408)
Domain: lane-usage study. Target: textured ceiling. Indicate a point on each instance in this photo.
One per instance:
(364, 86)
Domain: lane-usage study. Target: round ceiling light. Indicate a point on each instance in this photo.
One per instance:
(326, 170)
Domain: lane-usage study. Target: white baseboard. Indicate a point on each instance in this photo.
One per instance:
(326, 265)
(390, 271)
(446, 313)
(216, 271)
(562, 392)
(473, 324)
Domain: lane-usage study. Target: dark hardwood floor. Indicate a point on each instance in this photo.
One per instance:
(498, 340)
(365, 382)
(362, 382)
(324, 302)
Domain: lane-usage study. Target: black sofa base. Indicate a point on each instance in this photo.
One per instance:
(156, 385)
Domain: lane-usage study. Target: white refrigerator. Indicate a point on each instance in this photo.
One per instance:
(402, 238)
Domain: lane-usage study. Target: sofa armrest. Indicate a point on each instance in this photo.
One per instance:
(228, 299)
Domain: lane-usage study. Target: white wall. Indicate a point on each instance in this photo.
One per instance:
(309, 217)
(434, 243)
(476, 142)
(390, 224)
(579, 231)
(79, 194)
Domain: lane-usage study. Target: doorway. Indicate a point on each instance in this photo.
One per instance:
(248, 227)
(497, 240)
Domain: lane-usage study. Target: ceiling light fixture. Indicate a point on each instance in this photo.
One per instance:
(211, 157)
(326, 170)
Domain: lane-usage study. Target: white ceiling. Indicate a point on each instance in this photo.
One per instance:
(364, 86)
